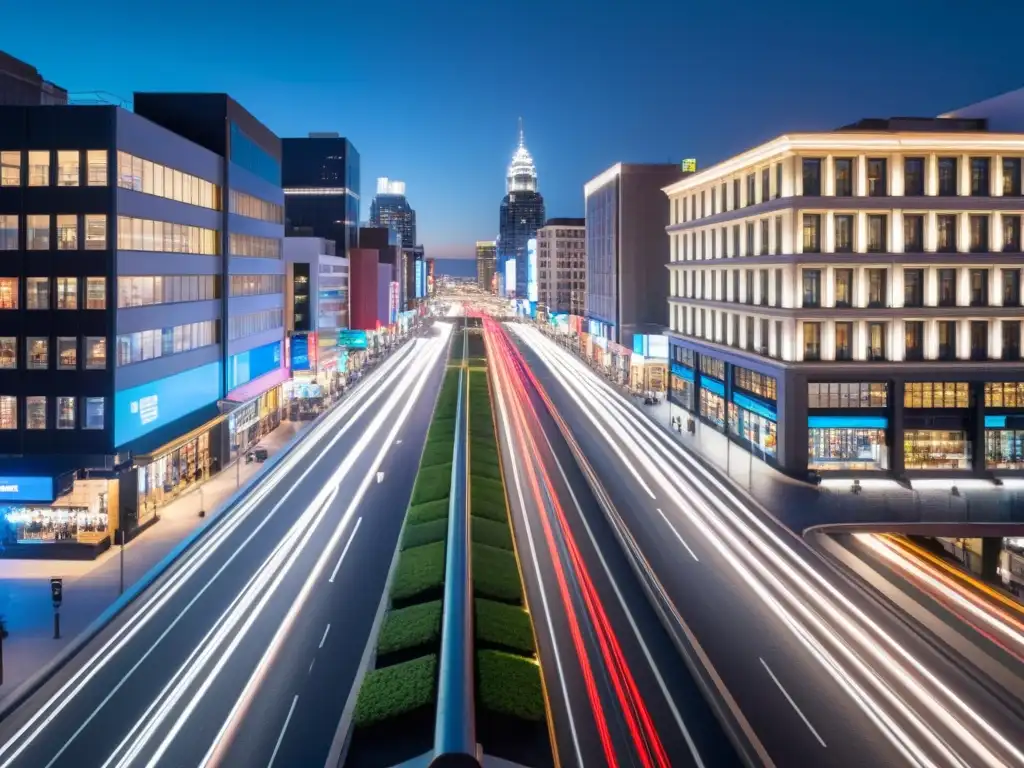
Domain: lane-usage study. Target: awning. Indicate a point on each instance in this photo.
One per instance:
(259, 385)
(159, 443)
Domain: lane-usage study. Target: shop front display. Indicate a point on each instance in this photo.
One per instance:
(712, 402)
(52, 525)
(754, 422)
(681, 386)
(838, 443)
(1004, 448)
(936, 449)
(167, 476)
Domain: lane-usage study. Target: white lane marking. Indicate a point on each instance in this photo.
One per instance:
(310, 670)
(791, 702)
(678, 535)
(324, 638)
(344, 552)
(283, 729)
(380, 477)
(398, 441)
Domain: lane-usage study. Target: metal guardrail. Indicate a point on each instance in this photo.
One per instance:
(455, 728)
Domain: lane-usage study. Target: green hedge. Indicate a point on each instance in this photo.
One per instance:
(505, 625)
(420, 569)
(432, 483)
(442, 428)
(425, 533)
(496, 574)
(510, 685)
(411, 627)
(427, 512)
(437, 452)
(487, 491)
(396, 690)
(491, 533)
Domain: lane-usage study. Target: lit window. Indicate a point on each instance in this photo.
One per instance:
(8, 232)
(8, 412)
(37, 232)
(8, 293)
(95, 293)
(37, 352)
(95, 353)
(67, 233)
(67, 353)
(65, 413)
(8, 352)
(93, 416)
(35, 413)
(37, 292)
(68, 161)
(97, 160)
(10, 169)
(95, 231)
(39, 168)
(67, 293)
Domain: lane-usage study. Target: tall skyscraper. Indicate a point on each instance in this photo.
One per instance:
(390, 208)
(486, 259)
(522, 214)
(320, 176)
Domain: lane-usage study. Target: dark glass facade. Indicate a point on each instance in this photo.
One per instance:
(320, 176)
(394, 212)
(522, 214)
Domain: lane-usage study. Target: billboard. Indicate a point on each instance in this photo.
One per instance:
(349, 339)
(393, 304)
(32, 488)
(510, 277)
(531, 269)
(303, 352)
(253, 363)
(419, 279)
(430, 277)
(139, 410)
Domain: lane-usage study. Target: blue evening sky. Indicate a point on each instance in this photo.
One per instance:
(429, 92)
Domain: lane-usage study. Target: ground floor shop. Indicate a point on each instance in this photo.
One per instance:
(78, 514)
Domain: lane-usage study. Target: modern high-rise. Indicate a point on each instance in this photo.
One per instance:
(22, 85)
(562, 266)
(849, 301)
(486, 263)
(521, 215)
(625, 250)
(390, 208)
(320, 175)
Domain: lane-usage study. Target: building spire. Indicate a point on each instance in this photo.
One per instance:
(522, 137)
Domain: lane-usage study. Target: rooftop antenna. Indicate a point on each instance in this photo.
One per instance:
(522, 139)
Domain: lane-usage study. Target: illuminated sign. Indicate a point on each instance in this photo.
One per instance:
(139, 410)
(253, 363)
(419, 279)
(531, 269)
(510, 276)
(393, 303)
(300, 353)
(689, 165)
(27, 489)
(350, 339)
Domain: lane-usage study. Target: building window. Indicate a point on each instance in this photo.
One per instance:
(812, 341)
(35, 412)
(936, 449)
(844, 233)
(812, 287)
(844, 287)
(947, 287)
(763, 299)
(946, 226)
(778, 234)
(97, 163)
(979, 234)
(67, 233)
(67, 293)
(913, 233)
(1011, 177)
(8, 293)
(67, 353)
(1011, 287)
(812, 176)
(8, 232)
(765, 184)
(756, 383)
(1004, 394)
(10, 168)
(37, 353)
(251, 323)
(68, 167)
(878, 295)
(846, 448)
(877, 234)
(162, 342)
(255, 247)
(1011, 234)
(979, 287)
(95, 353)
(750, 239)
(37, 292)
(66, 413)
(37, 232)
(93, 418)
(95, 293)
(947, 339)
(936, 394)
(812, 232)
(165, 237)
(751, 189)
(145, 290)
(764, 237)
(95, 231)
(980, 177)
(8, 412)
(913, 287)
(39, 168)
(979, 339)
(844, 176)
(877, 177)
(948, 177)
(876, 341)
(913, 176)
(844, 341)
(151, 178)
(913, 340)
(8, 352)
(255, 208)
(256, 285)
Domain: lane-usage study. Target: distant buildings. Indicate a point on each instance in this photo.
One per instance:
(521, 215)
(486, 263)
(390, 208)
(21, 85)
(562, 266)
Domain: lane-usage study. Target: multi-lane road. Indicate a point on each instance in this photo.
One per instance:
(245, 652)
(812, 669)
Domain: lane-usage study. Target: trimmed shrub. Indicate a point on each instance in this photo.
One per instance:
(426, 512)
(442, 428)
(432, 483)
(437, 452)
(420, 570)
(510, 685)
(491, 533)
(425, 533)
(505, 625)
(411, 627)
(496, 574)
(482, 467)
(397, 690)
(487, 497)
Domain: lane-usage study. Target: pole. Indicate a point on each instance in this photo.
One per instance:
(202, 506)
(56, 623)
(120, 535)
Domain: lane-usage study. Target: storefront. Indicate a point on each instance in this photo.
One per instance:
(936, 449)
(173, 469)
(249, 422)
(681, 386)
(712, 402)
(67, 513)
(841, 443)
(754, 422)
(1004, 442)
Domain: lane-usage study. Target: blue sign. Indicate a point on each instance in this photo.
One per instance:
(995, 422)
(27, 488)
(712, 386)
(847, 422)
(510, 276)
(419, 279)
(350, 339)
(253, 363)
(300, 352)
(682, 371)
(149, 406)
(754, 406)
(531, 269)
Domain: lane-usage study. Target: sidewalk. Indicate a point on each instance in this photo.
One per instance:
(90, 587)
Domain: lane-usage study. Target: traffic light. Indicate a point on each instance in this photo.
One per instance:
(57, 591)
